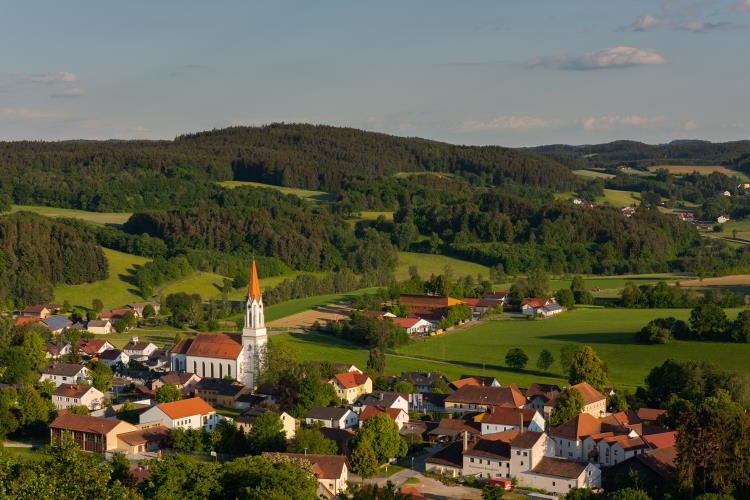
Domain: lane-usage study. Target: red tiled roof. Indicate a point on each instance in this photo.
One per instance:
(71, 390)
(470, 302)
(534, 302)
(508, 416)
(216, 345)
(627, 417)
(21, 320)
(579, 426)
(181, 347)
(508, 395)
(351, 379)
(406, 322)
(185, 408)
(590, 395)
(650, 414)
(497, 294)
(663, 440)
(90, 346)
(85, 423)
(370, 411)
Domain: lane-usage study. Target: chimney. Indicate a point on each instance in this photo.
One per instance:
(134, 339)
(466, 440)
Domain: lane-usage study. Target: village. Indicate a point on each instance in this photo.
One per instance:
(451, 435)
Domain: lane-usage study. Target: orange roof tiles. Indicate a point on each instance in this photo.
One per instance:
(85, 423)
(185, 408)
(21, 320)
(508, 416)
(406, 322)
(590, 395)
(370, 411)
(534, 302)
(253, 287)
(351, 379)
(215, 345)
(579, 426)
(650, 414)
(508, 395)
(71, 390)
(663, 440)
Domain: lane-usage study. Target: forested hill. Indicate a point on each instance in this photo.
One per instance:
(136, 175)
(731, 154)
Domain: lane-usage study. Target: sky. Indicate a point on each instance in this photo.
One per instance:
(503, 72)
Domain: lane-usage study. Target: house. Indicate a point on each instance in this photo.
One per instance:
(342, 437)
(381, 399)
(611, 448)
(650, 415)
(504, 455)
(532, 306)
(654, 468)
(56, 323)
(477, 380)
(336, 417)
(500, 419)
(183, 381)
(413, 325)
(40, 311)
(94, 434)
(148, 440)
(560, 476)
(481, 306)
(351, 385)
(138, 307)
(542, 398)
(247, 419)
(67, 395)
(501, 296)
(378, 314)
(99, 326)
(448, 461)
(114, 314)
(451, 429)
(432, 307)
(628, 211)
(112, 357)
(62, 373)
(722, 219)
(397, 414)
(193, 413)
(661, 440)
(551, 310)
(219, 391)
(92, 347)
(332, 471)
(421, 380)
(56, 350)
(427, 402)
(569, 437)
(473, 398)
(595, 403)
(269, 391)
(139, 351)
(726, 193)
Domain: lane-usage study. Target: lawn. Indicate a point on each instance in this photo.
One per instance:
(23, 454)
(742, 228)
(701, 169)
(115, 291)
(202, 283)
(593, 174)
(100, 218)
(161, 336)
(428, 264)
(318, 196)
(616, 282)
(608, 331)
(618, 198)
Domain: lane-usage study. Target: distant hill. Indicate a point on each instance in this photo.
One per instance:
(731, 154)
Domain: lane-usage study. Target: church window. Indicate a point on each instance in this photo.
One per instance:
(204, 368)
(212, 370)
(229, 370)
(221, 370)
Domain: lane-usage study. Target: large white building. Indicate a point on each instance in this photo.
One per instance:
(218, 355)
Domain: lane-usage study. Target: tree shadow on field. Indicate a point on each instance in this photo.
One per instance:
(621, 338)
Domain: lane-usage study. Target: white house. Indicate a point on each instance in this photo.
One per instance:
(99, 326)
(559, 476)
(610, 448)
(336, 417)
(139, 351)
(532, 306)
(398, 415)
(67, 395)
(64, 373)
(381, 399)
(500, 419)
(722, 219)
(114, 356)
(56, 350)
(192, 413)
(413, 325)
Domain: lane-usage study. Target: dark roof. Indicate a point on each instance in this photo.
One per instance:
(249, 415)
(57, 322)
(434, 398)
(661, 460)
(451, 455)
(327, 413)
(85, 423)
(268, 388)
(324, 466)
(110, 355)
(72, 390)
(221, 386)
(508, 416)
(136, 346)
(64, 369)
(55, 348)
(378, 398)
(141, 436)
(250, 399)
(550, 466)
(177, 378)
(489, 448)
(526, 439)
(421, 378)
(548, 392)
(495, 396)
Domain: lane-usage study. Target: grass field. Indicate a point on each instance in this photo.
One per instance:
(742, 228)
(428, 264)
(100, 218)
(702, 169)
(162, 336)
(410, 174)
(318, 196)
(618, 198)
(115, 291)
(608, 331)
(592, 173)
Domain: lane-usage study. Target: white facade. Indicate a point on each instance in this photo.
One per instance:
(254, 340)
(591, 477)
(210, 367)
(346, 421)
(82, 374)
(536, 425)
(198, 421)
(121, 358)
(91, 399)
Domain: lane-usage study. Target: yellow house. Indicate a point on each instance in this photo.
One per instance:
(351, 385)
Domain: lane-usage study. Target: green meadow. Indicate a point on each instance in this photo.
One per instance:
(100, 218)
(428, 264)
(318, 196)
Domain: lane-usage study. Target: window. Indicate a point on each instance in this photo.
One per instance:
(518, 452)
(553, 483)
(471, 460)
(525, 454)
(521, 462)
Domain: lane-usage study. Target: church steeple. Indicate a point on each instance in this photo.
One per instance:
(254, 333)
(253, 286)
(254, 317)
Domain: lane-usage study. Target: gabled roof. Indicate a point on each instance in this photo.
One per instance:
(508, 395)
(489, 448)
(534, 302)
(526, 439)
(97, 323)
(253, 287)
(370, 411)
(327, 412)
(57, 322)
(581, 425)
(351, 379)
(421, 378)
(185, 408)
(508, 416)
(216, 345)
(178, 378)
(63, 369)
(407, 322)
(650, 414)
(56, 348)
(23, 320)
(451, 455)
(474, 380)
(470, 302)
(111, 354)
(91, 346)
(661, 461)
(627, 417)
(590, 395)
(547, 392)
(378, 314)
(663, 440)
(550, 466)
(137, 346)
(181, 347)
(142, 436)
(378, 398)
(85, 423)
(72, 390)
(497, 294)
(223, 387)
(324, 466)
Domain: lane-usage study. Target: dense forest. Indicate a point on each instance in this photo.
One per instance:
(36, 253)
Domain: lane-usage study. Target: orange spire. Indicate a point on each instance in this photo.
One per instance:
(253, 287)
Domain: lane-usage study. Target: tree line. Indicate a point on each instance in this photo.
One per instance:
(707, 322)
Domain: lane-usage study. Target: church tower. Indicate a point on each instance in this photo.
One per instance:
(254, 333)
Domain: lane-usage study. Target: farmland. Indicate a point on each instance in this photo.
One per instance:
(428, 264)
(701, 169)
(100, 218)
(593, 174)
(316, 196)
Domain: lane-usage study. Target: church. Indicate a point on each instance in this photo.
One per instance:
(219, 355)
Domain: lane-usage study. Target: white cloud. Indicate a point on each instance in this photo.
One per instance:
(742, 6)
(28, 114)
(70, 92)
(616, 57)
(703, 26)
(689, 125)
(647, 22)
(505, 122)
(54, 77)
(608, 121)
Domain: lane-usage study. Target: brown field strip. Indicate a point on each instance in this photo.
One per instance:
(329, 312)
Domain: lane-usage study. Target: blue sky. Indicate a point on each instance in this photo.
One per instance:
(514, 73)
